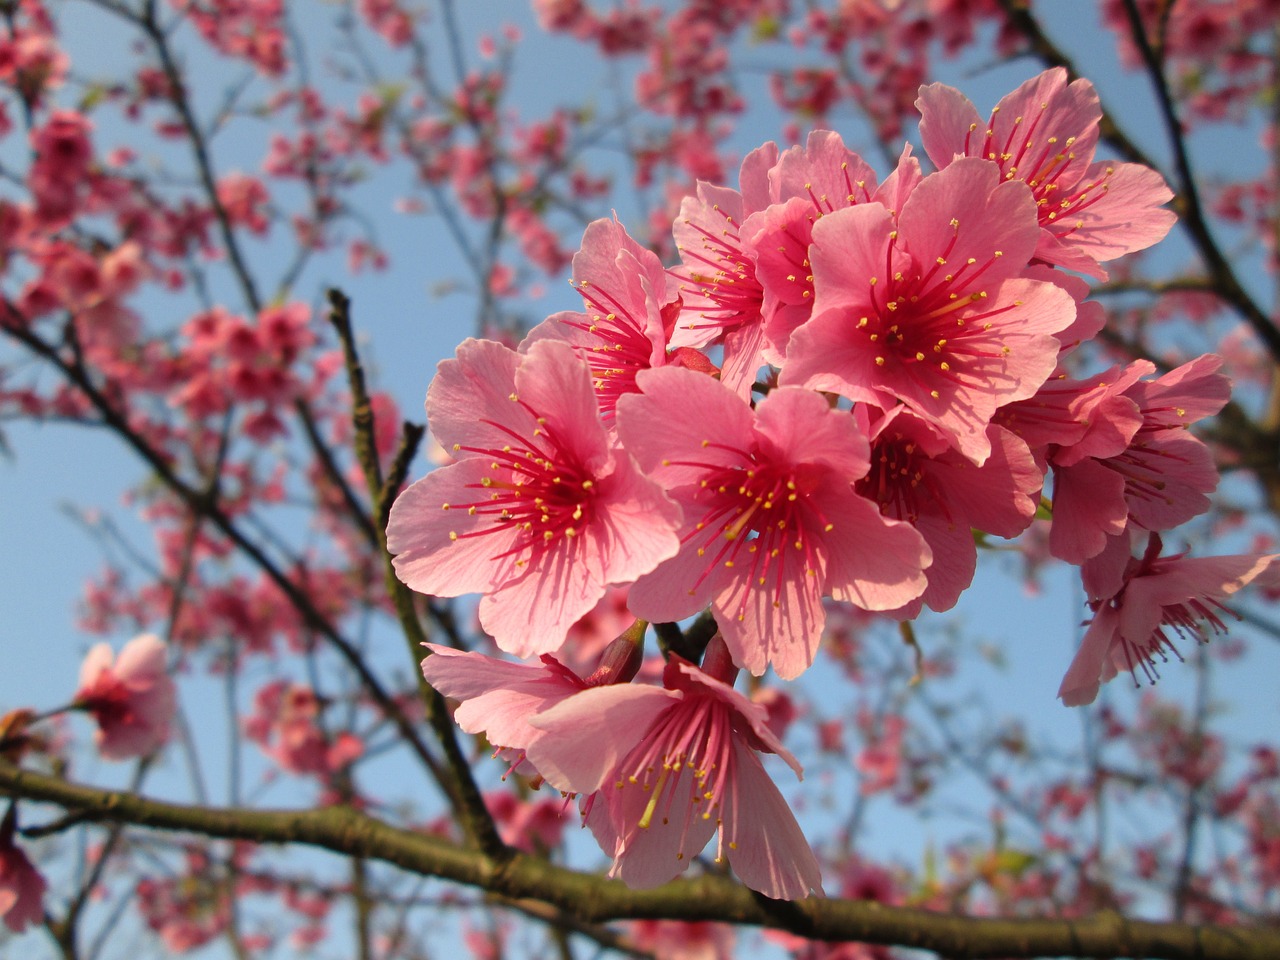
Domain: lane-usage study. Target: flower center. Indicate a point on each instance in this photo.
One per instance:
(535, 485)
(757, 521)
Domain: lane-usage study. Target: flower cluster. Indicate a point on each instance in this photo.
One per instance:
(842, 380)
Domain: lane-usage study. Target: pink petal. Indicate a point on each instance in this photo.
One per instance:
(1088, 507)
(765, 845)
(585, 737)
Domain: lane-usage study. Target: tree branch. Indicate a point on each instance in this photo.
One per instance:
(593, 899)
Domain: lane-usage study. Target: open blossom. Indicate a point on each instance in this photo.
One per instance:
(721, 299)
(21, 885)
(928, 308)
(1044, 134)
(771, 523)
(1158, 595)
(631, 303)
(673, 766)
(539, 513)
(133, 699)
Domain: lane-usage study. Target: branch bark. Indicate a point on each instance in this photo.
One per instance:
(592, 899)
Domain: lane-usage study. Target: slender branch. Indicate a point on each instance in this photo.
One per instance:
(463, 792)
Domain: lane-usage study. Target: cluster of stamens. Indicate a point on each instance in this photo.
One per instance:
(623, 349)
(898, 481)
(534, 489)
(692, 741)
(723, 289)
(756, 521)
(930, 324)
(1040, 162)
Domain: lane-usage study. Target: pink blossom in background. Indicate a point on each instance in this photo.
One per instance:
(22, 887)
(676, 940)
(879, 762)
(588, 637)
(1159, 595)
(539, 513)
(1044, 134)
(771, 523)
(286, 723)
(927, 308)
(132, 697)
(674, 766)
(534, 826)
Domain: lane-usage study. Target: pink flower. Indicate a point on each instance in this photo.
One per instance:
(677, 940)
(498, 697)
(928, 308)
(631, 301)
(133, 700)
(675, 766)
(21, 885)
(539, 513)
(1044, 134)
(534, 826)
(918, 477)
(1136, 462)
(286, 724)
(771, 523)
(1128, 628)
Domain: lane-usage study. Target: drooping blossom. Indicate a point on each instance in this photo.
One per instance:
(1135, 462)
(133, 699)
(1159, 596)
(1045, 134)
(673, 766)
(497, 697)
(21, 885)
(928, 308)
(771, 523)
(539, 513)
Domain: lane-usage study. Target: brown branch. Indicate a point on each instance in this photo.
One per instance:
(593, 899)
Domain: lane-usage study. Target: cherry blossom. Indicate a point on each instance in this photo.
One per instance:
(1135, 462)
(1158, 594)
(539, 513)
(22, 886)
(771, 524)
(631, 304)
(674, 766)
(1044, 134)
(918, 477)
(131, 697)
(928, 309)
